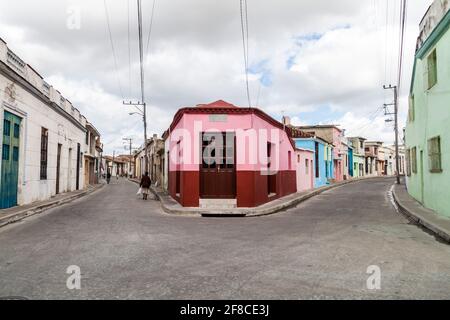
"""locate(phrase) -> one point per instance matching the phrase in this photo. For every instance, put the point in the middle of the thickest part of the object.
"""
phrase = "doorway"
(77, 183)
(218, 168)
(69, 171)
(9, 178)
(58, 167)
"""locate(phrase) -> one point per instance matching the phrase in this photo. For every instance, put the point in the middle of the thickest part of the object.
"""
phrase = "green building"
(427, 131)
(358, 145)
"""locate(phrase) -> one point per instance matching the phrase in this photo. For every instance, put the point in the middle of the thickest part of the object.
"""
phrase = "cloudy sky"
(318, 61)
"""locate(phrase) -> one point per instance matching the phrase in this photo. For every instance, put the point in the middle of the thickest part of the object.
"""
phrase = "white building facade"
(42, 136)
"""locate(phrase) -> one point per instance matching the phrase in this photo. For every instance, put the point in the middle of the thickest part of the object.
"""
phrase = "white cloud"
(196, 57)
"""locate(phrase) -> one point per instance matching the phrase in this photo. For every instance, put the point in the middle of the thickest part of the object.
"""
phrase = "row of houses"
(47, 146)
(219, 154)
(427, 134)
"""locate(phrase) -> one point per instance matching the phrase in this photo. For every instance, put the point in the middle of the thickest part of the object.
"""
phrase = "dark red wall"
(189, 190)
(251, 187)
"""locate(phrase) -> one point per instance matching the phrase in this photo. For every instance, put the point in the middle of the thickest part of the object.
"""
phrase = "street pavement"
(128, 248)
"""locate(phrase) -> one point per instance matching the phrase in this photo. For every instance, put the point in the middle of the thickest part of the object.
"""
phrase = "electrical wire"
(402, 39)
(386, 42)
(370, 119)
(113, 49)
(150, 27)
(129, 50)
(245, 36)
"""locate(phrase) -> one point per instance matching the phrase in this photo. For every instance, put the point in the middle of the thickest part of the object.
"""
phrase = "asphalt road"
(128, 249)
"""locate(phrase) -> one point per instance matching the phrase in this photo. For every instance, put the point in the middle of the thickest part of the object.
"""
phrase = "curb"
(251, 212)
(17, 216)
(419, 219)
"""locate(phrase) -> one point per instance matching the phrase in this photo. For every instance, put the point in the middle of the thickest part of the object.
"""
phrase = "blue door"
(10, 161)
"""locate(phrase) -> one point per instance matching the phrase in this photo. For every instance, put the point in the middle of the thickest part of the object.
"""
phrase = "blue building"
(323, 158)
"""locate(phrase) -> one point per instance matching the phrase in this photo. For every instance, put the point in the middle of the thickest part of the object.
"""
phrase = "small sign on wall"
(218, 118)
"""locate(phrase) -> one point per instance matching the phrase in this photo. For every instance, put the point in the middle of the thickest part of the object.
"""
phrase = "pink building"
(305, 169)
(219, 152)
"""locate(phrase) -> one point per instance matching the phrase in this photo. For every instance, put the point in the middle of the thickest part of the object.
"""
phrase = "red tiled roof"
(219, 104)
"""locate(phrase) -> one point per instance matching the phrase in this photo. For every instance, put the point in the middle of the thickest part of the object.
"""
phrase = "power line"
(112, 48)
(245, 36)
(150, 28)
(141, 58)
(386, 41)
(402, 38)
(129, 49)
(371, 117)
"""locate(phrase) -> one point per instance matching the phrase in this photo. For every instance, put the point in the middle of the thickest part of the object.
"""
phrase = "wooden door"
(69, 171)
(10, 161)
(58, 167)
(218, 168)
(77, 183)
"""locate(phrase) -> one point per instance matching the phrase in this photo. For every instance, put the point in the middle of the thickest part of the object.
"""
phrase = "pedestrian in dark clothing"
(108, 177)
(145, 184)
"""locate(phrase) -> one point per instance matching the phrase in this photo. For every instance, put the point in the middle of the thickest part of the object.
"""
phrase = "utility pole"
(395, 114)
(130, 140)
(142, 103)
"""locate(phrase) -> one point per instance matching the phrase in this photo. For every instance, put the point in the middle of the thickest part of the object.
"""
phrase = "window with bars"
(432, 69)
(44, 153)
(218, 153)
(434, 155)
(414, 159)
(307, 166)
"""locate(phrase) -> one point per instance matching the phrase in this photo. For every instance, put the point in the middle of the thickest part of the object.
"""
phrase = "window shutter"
(434, 154)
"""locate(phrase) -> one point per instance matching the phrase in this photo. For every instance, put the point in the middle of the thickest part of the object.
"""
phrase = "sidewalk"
(169, 205)
(428, 218)
(15, 214)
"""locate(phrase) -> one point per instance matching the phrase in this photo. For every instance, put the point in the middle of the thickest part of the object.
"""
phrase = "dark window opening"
(316, 155)
(5, 152)
(15, 154)
(44, 153)
(16, 130)
(6, 128)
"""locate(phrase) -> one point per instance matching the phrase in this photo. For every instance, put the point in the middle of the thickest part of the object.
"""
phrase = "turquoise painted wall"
(325, 153)
(357, 160)
(431, 118)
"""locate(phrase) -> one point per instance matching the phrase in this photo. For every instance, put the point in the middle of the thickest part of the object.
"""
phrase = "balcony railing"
(15, 62)
(46, 89)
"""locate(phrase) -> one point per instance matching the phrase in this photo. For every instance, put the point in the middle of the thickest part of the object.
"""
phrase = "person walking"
(145, 185)
(108, 177)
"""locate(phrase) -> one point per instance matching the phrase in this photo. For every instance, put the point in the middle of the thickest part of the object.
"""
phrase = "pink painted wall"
(305, 175)
(339, 151)
(190, 126)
